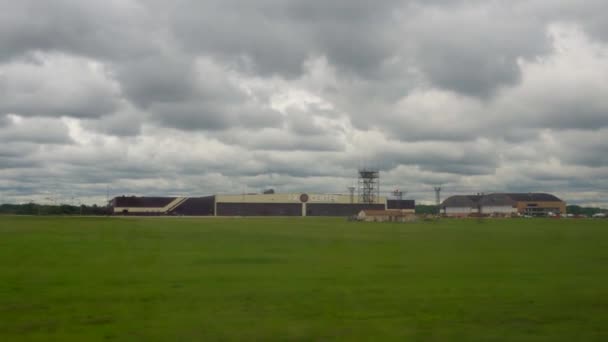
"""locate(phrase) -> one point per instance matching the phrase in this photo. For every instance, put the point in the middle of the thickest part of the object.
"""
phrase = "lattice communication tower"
(369, 186)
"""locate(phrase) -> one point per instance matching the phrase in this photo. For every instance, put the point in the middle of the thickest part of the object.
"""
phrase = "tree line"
(585, 211)
(44, 209)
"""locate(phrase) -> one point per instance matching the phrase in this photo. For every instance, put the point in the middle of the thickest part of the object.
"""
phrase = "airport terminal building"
(287, 204)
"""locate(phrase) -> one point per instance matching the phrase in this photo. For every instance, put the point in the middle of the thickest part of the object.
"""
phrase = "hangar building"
(503, 204)
(290, 204)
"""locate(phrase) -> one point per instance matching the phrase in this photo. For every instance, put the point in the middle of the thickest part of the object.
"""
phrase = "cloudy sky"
(193, 97)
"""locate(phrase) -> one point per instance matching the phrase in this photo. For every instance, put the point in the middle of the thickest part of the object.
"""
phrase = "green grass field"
(185, 279)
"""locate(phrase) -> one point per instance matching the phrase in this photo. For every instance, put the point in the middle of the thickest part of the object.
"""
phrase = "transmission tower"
(398, 194)
(351, 191)
(438, 198)
(369, 186)
(438, 195)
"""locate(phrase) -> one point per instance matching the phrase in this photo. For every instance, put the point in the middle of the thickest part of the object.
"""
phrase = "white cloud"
(57, 85)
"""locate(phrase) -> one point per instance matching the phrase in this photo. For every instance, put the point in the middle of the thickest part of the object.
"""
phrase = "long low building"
(155, 206)
(503, 204)
(291, 204)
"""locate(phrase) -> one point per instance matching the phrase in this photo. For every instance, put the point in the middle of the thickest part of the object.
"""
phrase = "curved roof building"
(504, 204)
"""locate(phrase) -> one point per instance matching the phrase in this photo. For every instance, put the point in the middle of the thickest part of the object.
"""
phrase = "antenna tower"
(398, 194)
(438, 195)
(351, 191)
(369, 186)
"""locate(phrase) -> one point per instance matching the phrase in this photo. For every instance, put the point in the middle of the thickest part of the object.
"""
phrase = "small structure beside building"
(386, 216)
(401, 204)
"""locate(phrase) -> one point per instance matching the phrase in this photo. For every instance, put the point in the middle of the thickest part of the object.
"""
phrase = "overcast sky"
(194, 97)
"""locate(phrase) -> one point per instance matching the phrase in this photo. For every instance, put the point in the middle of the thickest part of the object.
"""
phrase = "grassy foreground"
(180, 279)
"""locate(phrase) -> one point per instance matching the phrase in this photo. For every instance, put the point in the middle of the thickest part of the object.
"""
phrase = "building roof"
(496, 199)
(533, 197)
(461, 201)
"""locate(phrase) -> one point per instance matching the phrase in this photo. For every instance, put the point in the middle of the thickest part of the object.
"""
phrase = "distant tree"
(63, 209)
(426, 209)
(578, 210)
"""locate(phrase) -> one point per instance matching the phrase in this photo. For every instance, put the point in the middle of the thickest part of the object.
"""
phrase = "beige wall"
(406, 211)
(289, 198)
(521, 206)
